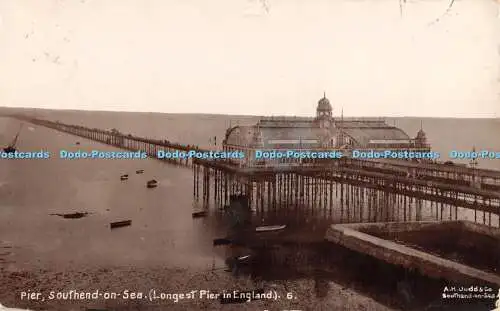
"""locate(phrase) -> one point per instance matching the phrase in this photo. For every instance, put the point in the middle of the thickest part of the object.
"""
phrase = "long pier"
(352, 190)
(124, 141)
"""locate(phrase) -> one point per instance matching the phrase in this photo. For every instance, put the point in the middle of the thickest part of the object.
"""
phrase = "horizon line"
(247, 115)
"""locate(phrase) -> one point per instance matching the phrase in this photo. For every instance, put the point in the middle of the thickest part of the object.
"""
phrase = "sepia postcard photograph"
(269, 155)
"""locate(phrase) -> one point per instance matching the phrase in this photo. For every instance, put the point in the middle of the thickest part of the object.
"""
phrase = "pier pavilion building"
(323, 132)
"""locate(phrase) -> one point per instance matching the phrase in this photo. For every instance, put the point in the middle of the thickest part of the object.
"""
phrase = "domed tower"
(421, 139)
(324, 121)
(324, 108)
(324, 113)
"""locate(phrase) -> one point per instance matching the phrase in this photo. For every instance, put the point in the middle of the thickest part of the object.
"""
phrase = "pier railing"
(481, 179)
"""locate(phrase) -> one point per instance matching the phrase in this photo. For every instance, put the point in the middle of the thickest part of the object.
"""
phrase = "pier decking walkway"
(449, 186)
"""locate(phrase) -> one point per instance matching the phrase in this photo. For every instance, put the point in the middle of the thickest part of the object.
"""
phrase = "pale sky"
(252, 57)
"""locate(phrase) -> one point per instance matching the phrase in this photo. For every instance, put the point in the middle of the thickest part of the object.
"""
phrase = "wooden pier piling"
(351, 195)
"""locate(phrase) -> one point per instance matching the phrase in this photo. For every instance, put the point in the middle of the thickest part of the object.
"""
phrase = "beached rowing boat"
(270, 228)
(118, 224)
(152, 183)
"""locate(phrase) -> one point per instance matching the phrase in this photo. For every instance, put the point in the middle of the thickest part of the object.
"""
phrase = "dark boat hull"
(222, 241)
(118, 224)
(199, 214)
(152, 184)
(9, 149)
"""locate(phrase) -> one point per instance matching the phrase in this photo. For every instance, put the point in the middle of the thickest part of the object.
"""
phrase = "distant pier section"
(149, 146)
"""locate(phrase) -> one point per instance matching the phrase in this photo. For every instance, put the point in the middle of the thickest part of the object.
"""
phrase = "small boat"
(9, 149)
(199, 214)
(139, 171)
(124, 177)
(152, 183)
(270, 228)
(77, 142)
(12, 147)
(242, 258)
(72, 215)
(118, 224)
